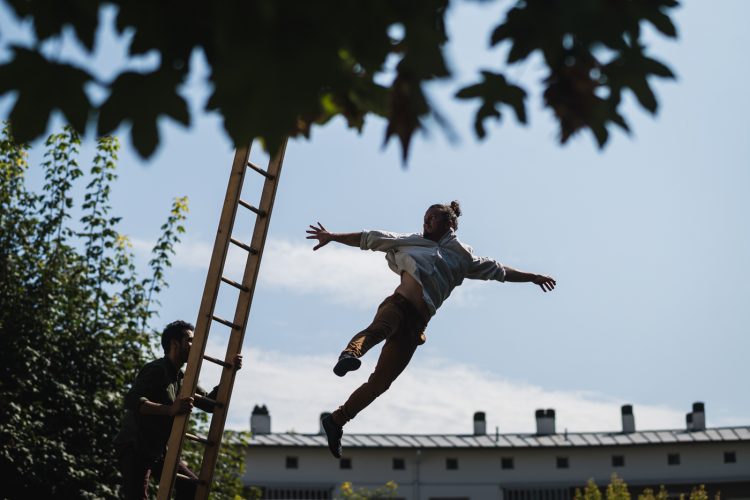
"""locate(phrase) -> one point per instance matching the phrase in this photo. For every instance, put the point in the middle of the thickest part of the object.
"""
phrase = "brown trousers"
(136, 470)
(402, 327)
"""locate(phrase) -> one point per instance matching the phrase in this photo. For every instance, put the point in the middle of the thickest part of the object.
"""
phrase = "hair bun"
(456, 207)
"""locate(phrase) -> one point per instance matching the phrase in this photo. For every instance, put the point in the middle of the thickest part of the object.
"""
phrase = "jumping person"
(431, 265)
(150, 407)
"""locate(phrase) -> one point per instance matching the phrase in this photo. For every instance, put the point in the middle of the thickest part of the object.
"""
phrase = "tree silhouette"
(278, 68)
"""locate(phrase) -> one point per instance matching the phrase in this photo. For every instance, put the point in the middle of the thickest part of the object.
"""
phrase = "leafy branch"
(303, 63)
(73, 321)
(164, 249)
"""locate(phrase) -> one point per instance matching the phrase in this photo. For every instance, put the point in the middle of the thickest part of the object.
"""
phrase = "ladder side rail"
(203, 322)
(242, 313)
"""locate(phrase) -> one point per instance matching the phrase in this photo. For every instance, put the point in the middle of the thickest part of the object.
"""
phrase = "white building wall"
(646, 462)
(480, 476)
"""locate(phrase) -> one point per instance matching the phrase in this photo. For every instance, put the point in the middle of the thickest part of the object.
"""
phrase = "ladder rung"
(209, 400)
(259, 170)
(243, 246)
(245, 204)
(235, 284)
(218, 361)
(225, 322)
(198, 439)
(188, 478)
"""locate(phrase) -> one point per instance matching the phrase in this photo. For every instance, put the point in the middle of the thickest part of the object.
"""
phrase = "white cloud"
(141, 247)
(433, 396)
(343, 275)
(337, 274)
(189, 254)
(195, 255)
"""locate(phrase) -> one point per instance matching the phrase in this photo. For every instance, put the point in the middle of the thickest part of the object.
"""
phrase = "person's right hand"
(321, 234)
(181, 406)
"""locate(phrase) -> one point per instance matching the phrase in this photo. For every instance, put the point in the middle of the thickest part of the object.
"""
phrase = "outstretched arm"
(324, 237)
(547, 283)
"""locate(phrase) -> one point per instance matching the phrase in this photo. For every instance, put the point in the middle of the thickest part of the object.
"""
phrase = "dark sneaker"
(334, 433)
(347, 363)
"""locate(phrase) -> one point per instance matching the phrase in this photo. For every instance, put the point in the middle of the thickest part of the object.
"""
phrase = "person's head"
(177, 338)
(439, 219)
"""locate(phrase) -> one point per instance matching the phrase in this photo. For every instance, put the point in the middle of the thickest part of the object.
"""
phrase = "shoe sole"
(346, 365)
(335, 446)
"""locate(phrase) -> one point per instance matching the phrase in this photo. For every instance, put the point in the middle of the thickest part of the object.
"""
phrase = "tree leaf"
(644, 94)
(157, 91)
(494, 91)
(663, 23)
(278, 69)
(51, 16)
(36, 100)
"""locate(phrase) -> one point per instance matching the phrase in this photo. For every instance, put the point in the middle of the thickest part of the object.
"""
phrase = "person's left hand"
(547, 283)
(237, 361)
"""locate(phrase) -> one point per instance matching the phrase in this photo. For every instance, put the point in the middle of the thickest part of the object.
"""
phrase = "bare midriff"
(411, 290)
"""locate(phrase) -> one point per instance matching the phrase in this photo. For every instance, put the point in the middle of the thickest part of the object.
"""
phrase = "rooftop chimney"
(322, 416)
(545, 422)
(260, 420)
(480, 424)
(539, 414)
(689, 422)
(628, 420)
(699, 416)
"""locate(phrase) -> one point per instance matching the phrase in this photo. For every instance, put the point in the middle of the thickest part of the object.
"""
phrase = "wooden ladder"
(206, 317)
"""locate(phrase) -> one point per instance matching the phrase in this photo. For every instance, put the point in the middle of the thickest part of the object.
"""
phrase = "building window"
(285, 493)
(345, 463)
(292, 463)
(562, 462)
(399, 464)
(673, 459)
(506, 463)
(618, 461)
(730, 457)
(451, 463)
(535, 493)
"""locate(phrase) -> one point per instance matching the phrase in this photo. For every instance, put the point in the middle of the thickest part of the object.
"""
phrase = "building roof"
(569, 439)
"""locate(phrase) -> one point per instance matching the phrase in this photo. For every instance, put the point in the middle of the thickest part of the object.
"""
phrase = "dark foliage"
(278, 68)
(73, 322)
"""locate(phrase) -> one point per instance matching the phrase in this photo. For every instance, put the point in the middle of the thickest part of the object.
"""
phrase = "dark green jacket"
(159, 382)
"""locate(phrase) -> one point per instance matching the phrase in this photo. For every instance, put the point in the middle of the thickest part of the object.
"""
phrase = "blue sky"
(647, 240)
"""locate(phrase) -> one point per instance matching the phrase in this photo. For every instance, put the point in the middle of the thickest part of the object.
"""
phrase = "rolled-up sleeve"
(145, 388)
(484, 268)
(383, 241)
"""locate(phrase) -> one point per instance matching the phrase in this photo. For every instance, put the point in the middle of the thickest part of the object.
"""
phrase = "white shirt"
(438, 267)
